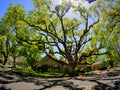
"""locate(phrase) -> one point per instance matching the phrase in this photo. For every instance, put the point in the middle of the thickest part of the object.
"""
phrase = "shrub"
(30, 72)
(83, 70)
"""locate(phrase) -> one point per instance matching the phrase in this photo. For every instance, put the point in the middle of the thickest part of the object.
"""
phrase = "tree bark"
(5, 59)
(72, 67)
(14, 62)
(6, 53)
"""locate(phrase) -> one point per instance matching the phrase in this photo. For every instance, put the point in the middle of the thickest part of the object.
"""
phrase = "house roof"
(49, 61)
(96, 63)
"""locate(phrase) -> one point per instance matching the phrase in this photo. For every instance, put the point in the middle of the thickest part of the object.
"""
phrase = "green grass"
(30, 72)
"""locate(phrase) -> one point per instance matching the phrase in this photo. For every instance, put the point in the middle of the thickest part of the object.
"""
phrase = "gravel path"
(105, 81)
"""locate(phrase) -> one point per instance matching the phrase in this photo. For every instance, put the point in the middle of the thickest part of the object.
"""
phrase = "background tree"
(110, 27)
(14, 51)
(4, 42)
(7, 30)
(113, 27)
(32, 54)
(19, 33)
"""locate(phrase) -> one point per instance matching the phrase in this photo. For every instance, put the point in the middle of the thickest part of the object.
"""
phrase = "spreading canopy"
(64, 39)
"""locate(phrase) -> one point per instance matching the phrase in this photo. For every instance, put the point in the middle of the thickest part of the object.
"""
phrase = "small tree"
(5, 48)
(14, 51)
(32, 55)
(7, 26)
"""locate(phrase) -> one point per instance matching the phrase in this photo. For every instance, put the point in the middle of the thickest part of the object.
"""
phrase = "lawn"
(30, 72)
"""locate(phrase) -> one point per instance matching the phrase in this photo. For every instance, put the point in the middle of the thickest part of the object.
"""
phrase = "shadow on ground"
(110, 77)
(6, 78)
(4, 88)
(102, 86)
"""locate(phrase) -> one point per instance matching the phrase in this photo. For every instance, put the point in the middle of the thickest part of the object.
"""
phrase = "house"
(96, 65)
(48, 65)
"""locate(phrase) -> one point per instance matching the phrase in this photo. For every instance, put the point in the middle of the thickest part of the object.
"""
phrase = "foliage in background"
(71, 41)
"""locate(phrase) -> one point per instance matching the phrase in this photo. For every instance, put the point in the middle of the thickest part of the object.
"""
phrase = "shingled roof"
(49, 61)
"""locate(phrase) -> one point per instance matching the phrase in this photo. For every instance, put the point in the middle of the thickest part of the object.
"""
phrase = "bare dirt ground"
(103, 81)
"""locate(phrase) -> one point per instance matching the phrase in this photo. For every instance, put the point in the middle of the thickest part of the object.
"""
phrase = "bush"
(76, 69)
(83, 70)
(30, 72)
(23, 71)
(21, 62)
(89, 73)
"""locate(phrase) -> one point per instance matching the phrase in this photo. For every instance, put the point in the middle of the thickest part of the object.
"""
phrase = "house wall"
(96, 66)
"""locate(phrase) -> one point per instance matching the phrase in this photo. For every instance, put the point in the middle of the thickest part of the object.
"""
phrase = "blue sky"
(26, 3)
(5, 4)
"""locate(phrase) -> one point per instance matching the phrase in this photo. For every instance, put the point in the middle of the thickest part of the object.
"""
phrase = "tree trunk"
(6, 53)
(14, 62)
(72, 67)
(1, 61)
(5, 59)
(72, 71)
